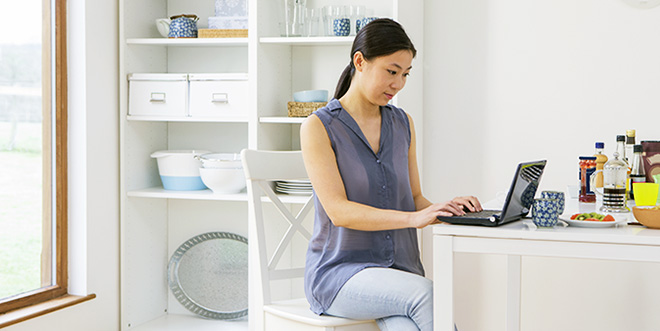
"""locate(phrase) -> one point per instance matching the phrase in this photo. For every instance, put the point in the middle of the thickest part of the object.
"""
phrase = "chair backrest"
(261, 169)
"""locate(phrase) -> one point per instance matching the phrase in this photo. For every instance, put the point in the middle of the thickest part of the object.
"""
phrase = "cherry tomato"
(574, 216)
(592, 219)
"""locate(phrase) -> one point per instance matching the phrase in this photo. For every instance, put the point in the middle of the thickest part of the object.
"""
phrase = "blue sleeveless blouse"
(379, 180)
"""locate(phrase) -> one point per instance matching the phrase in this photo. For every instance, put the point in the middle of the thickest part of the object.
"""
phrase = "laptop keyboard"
(483, 214)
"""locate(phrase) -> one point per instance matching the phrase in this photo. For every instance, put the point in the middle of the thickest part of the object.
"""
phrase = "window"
(33, 183)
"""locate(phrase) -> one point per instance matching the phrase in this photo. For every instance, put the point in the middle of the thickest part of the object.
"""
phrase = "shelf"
(227, 119)
(173, 322)
(282, 119)
(188, 41)
(161, 193)
(307, 41)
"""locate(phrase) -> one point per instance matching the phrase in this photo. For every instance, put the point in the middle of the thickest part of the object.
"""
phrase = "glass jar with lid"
(615, 179)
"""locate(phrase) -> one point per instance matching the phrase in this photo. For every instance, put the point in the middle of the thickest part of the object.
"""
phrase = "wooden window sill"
(39, 309)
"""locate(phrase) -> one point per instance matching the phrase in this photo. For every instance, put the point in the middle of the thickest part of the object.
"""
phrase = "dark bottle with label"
(637, 172)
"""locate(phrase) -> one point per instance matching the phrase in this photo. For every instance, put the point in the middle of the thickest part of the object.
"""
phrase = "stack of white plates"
(296, 187)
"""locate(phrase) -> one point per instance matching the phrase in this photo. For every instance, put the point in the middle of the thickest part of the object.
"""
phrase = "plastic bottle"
(587, 167)
(600, 163)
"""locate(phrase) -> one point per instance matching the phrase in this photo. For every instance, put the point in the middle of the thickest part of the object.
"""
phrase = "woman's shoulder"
(328, 112)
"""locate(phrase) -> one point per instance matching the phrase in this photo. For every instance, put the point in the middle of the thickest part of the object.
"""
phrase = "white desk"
(623, 243)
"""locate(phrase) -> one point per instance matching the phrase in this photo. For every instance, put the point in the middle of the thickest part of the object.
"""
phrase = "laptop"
(518, 201)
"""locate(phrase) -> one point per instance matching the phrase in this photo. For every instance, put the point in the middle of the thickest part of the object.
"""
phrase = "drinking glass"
(328, 19)
(341, 23)
(359, 14)
(312, 22)
(292, 17)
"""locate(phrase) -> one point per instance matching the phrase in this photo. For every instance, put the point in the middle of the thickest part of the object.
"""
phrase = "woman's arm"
(321, 165)
(469, 202)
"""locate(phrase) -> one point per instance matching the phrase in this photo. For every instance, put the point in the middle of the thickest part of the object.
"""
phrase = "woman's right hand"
(429, 214)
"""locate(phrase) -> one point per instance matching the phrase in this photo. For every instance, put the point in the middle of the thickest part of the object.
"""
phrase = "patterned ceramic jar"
(342, 26)
(183, 26)
(559, 196)
(545, 212)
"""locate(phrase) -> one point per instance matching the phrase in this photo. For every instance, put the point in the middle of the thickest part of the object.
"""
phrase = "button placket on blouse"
(382, 170)
(389, 247)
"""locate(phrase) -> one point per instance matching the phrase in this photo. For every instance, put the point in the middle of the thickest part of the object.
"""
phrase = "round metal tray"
(208, 275)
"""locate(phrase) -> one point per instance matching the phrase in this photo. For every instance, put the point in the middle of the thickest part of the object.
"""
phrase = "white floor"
(186, 322)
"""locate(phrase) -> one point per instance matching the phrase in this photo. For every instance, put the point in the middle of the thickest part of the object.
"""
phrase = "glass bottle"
(630, 142)
(621, 150)
(621, 147)
(637, 172)
(601, 158)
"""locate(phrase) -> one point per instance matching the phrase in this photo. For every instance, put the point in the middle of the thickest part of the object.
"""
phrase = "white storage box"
(231, 8)
(218, 95)
(164, 95)
(228, 22)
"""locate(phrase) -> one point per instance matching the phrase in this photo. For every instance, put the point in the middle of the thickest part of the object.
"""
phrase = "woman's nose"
(398, 83)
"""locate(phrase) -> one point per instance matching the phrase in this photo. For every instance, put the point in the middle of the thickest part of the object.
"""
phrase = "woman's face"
(383, 77)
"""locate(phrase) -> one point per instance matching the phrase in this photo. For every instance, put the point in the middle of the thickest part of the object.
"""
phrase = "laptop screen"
(523, 188)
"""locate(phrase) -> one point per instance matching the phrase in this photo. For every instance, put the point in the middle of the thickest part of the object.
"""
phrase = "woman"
(363, 260)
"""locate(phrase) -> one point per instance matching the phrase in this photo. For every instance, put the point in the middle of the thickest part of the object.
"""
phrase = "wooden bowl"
(648, 216)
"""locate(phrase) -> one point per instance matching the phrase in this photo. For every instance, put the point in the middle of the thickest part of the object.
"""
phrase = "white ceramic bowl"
(179, 170)
(224, 181)
(220, 160)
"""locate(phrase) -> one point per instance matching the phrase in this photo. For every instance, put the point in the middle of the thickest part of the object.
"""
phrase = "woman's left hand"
(469, 203)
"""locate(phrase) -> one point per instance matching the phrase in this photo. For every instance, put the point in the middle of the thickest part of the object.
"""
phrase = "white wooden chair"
(261, 168)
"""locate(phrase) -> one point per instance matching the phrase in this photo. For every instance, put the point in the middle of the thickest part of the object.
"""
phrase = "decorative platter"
(591, 224)
(208, 275)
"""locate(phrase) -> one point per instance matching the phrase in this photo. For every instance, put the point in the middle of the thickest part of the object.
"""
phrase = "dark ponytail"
(381, 37)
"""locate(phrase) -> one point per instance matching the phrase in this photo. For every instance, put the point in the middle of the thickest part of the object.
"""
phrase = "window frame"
(59, 289)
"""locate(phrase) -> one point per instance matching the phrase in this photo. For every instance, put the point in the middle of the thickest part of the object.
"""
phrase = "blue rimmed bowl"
(311, 96)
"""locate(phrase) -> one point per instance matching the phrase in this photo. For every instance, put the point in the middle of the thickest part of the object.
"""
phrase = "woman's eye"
(392, 72)
(406, 74)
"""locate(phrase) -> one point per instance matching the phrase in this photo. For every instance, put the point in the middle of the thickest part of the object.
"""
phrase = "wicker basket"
(222, 33)
(303, 109)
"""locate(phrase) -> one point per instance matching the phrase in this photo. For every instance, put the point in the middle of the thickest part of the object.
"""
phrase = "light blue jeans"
(397, 300)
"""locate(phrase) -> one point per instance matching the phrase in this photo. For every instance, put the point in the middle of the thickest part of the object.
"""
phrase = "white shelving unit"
(154, 221)
(161, 193)
(282, 120)
(203, 42)
(308, 41)
(188, 119)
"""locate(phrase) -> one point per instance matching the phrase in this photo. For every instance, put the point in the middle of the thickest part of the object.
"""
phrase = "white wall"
(93, 171)
(514, 80)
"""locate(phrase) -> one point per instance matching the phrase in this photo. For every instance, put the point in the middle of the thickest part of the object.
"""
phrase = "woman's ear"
(358, 61)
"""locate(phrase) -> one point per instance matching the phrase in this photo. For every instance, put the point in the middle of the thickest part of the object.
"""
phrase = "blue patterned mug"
(341, 26)
(545, 212)
(561, 200)
(183, 26)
